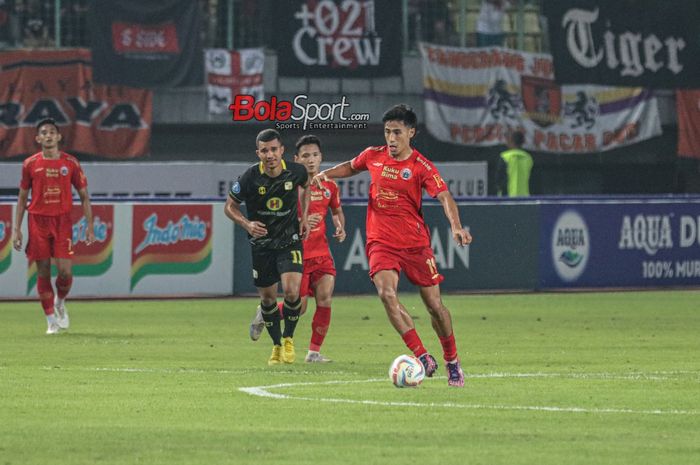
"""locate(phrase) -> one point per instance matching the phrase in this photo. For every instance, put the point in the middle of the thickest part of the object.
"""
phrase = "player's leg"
(387, 283)
(64, 281)
(40, 248)
(323, 292)
(290, 266)
(442, 324)
(46, 295)
(266, 279)
(291, 311)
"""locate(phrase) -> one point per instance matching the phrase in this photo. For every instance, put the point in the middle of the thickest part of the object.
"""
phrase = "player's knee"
(435, 306)
(387, 294)
(291, 296)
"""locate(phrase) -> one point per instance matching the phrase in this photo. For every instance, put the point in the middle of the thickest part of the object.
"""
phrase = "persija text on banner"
(476, 96)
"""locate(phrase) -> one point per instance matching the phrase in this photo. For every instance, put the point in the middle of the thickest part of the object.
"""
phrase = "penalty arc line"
(264, 391)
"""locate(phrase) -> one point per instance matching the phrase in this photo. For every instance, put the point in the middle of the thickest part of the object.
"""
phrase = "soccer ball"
(406, 371)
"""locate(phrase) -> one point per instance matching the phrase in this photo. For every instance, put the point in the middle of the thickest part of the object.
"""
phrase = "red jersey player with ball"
(49, 175)
(398, 239)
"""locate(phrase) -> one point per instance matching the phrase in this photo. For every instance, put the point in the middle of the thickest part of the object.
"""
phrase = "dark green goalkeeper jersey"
(272, 201)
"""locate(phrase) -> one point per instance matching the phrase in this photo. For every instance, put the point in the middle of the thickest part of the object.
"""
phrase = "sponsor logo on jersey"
(236, 189)
(274, 204)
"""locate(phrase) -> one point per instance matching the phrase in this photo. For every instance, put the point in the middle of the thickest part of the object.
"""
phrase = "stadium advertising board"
(146, 44)
(109, 121)
(200, 180)
(624, 244)
(5, 237)
(502, 256)
(334, 38)
(476, 96)
(170, 240)
(641, 43)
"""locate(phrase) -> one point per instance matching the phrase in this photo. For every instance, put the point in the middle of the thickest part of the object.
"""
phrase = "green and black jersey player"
(271, 191)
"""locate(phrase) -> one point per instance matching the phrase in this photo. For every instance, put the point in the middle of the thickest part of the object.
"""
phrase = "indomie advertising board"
(170, 240)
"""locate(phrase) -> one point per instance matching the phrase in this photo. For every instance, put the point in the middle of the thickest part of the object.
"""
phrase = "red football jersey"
(394, 215)
(316, 245)
(50, 181)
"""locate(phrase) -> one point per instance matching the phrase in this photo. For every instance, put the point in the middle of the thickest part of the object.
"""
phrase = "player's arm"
(87, 212)
(232, 209)
(305, 199)
(459, 234)
(342, 170)
(19, 217)
(339, 222)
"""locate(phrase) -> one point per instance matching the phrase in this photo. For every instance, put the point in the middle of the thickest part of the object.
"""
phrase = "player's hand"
(314, 220)
(90, 237)
(339, 233)
(17, 240)
(462, 236)
(256, 229)
(319, 178)
(304, 228)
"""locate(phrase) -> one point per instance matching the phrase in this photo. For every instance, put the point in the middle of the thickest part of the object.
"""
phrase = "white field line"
(192, 370)
(651, 376)
(264, 391)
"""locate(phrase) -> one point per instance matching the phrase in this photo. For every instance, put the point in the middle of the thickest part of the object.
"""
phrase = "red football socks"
(63, 286)
(45, 290)
(319, 327)
(449, 347)
(413, 342)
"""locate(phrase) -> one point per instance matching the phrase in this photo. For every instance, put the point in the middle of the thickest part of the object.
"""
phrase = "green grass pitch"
(560, 378)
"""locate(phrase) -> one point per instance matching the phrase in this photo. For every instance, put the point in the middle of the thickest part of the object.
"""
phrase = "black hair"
(267, 135)
(403, 113)
(44, 121)
(518, 138)
(308, 139)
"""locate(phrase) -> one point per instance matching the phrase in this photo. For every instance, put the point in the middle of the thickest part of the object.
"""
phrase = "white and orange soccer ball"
(406, 371)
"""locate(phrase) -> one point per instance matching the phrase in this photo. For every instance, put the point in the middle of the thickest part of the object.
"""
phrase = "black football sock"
(271, 317)
(291, 311)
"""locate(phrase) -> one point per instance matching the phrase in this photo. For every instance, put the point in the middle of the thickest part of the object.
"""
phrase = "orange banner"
(103, 120)
(688, 108)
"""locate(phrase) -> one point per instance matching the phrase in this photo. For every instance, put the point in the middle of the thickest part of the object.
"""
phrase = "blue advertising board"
(621, 243)
(502, 256)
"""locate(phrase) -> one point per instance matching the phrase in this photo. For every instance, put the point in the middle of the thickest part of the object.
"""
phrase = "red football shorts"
(49, 236)
(418, 263)
(314, 269)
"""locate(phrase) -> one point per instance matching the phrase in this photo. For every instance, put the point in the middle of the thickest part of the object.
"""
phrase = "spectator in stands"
(514, 168)
(74, 23)
(489, 25)
(35, 26)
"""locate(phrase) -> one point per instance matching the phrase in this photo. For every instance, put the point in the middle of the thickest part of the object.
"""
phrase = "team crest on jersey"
(288, 186)
(236, 189)
(274, 204)
(64, 171)
(327, 193)
(262, 190)
(406, 174)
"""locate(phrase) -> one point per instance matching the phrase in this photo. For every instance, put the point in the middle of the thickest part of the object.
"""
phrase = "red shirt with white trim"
(50, 182)
(316, 245)
(394, 215)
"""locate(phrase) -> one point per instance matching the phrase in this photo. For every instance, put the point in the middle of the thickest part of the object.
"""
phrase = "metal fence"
(232, 24)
